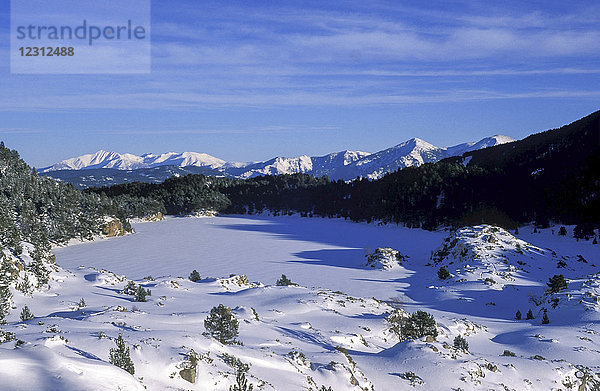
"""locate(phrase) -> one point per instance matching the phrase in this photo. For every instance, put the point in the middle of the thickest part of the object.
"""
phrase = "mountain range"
(106, 168)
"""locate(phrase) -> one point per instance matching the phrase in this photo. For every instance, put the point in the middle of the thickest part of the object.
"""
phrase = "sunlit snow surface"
(312, 252)
(333, 306)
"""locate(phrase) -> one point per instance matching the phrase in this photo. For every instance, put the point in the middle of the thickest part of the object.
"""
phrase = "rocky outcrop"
(154, 217)
(384, 258)
(114, 227)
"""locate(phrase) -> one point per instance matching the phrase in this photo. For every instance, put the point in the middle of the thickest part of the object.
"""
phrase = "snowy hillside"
(334, 329)
(410, 153)
(345, 165)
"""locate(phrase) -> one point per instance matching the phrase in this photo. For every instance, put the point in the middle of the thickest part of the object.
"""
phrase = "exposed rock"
(114, 227)
(154, 217)
(188, 374)
(189, 367)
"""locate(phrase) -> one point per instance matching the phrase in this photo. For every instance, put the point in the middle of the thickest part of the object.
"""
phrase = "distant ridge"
(345, 165)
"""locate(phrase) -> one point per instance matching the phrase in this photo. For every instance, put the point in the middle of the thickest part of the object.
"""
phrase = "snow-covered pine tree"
(26, 314)
(40, 254)
(130, 288)
(120, 357)
(5, 301)
(8, 271)
(10, 236)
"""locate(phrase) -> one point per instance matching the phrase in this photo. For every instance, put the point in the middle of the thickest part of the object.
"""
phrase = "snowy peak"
(346, 165)
(127, 161)
(487, 142)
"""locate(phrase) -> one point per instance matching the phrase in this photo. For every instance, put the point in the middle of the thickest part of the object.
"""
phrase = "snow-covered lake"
(316, 252)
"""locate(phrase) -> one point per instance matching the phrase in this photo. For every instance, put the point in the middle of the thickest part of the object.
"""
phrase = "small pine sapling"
(140, 294)
(241, 383)
(119, 356)
(529, 315)
(194, 276)
(26, 314)
(545, 319)
(284, 281)
(461, 343)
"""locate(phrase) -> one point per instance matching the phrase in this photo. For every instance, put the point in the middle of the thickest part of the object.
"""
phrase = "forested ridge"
(553, 175)
(36, 212)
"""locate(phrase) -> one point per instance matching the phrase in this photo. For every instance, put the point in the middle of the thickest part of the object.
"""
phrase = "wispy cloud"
(19, 131)
(221, 55)
(202, 131)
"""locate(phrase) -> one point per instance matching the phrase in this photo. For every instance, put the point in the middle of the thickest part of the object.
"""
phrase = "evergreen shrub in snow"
(119, 356)
(222, 325)
(461, 343)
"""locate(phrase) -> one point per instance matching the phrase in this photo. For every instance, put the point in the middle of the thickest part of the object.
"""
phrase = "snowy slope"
(340, 165)
(487, 142)
(413, 152)
(330, 329)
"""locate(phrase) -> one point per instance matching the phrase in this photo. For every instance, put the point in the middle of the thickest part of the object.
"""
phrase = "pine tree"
(529, 315)
(518, 315)
(8, 271)
(557, 283)
(25, 285)
(443, 273)
(284, 281)
(195, 276)
(241, 383)
(417, 325)
(545, 319)
(10, 236)
(562, 231)
(222, 324)
(5, 301)
(130, 289)
(140, 294)
(26, 314)
(40, 253)
(119, 356)
(461, 343)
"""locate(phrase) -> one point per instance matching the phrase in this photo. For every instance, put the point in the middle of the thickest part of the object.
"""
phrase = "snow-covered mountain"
(344, 165)
(127, 161)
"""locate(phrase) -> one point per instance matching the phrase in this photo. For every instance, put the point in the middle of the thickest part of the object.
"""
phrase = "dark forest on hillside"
(553, 175)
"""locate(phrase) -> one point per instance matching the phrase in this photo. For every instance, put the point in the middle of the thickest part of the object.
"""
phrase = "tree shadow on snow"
(346, 258)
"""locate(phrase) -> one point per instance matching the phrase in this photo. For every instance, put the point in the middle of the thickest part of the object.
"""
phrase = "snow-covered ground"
(330, 329)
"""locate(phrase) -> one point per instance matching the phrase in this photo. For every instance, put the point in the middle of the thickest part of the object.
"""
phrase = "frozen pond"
(313, 252)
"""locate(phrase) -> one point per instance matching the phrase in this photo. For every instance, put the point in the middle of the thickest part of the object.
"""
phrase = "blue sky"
(249, 80)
